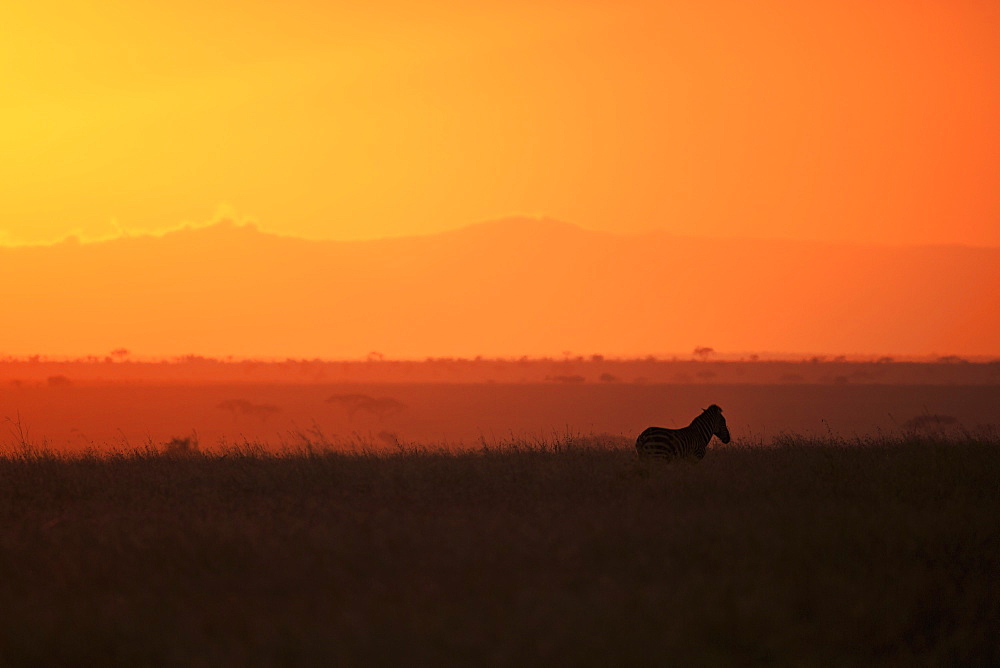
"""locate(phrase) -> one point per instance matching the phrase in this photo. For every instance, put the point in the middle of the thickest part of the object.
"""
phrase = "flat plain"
(571, 551)
(78, 418)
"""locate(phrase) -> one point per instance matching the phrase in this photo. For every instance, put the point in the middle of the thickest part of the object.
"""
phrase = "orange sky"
(837, 120)
(795, 122)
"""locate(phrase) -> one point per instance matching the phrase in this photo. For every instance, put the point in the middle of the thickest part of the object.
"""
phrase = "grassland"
(819, 552)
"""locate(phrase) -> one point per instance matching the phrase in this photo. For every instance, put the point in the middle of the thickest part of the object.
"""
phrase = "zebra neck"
(704, 427)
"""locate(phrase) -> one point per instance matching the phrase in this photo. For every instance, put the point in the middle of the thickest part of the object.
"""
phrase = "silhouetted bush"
(243, 407)
(181, 446)
(379, 407)
(929, 422)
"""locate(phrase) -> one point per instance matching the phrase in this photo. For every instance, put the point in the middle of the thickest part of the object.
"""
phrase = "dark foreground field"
(825, 553)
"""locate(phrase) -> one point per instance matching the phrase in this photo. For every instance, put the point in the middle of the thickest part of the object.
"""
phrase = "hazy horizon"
(502, 288)
(138, 357)
(232, 220)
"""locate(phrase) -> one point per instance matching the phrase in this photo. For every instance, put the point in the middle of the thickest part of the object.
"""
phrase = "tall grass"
(568, 551)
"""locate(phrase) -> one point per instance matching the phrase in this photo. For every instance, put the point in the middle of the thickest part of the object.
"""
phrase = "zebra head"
(718, 422)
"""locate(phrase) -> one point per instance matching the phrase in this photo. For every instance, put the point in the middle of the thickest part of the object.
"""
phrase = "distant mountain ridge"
(228, 228)
(507, 287)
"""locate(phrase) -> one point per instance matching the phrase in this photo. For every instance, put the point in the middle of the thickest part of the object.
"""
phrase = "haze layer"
(506, 288)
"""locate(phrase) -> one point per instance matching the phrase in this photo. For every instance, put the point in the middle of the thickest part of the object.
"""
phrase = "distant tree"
(704, 352)
(608, 378)
(243, 407)
(952, 359)
(375, 356)
(929, 422)
(59, 381)
(195, 359)
(596, 358)
(378, 407)
(120, 353)
(884, 360)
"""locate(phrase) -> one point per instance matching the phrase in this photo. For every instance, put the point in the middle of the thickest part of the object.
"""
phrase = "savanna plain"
(568, 550)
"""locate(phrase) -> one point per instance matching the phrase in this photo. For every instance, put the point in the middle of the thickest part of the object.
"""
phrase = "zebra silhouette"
(689, 442)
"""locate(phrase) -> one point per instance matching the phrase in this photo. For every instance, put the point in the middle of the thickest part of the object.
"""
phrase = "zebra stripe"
(689, 442)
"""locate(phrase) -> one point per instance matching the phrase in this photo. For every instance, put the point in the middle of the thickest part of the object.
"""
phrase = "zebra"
(687, 442)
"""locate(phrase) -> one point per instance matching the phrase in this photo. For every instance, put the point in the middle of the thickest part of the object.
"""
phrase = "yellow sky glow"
(859, 121)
